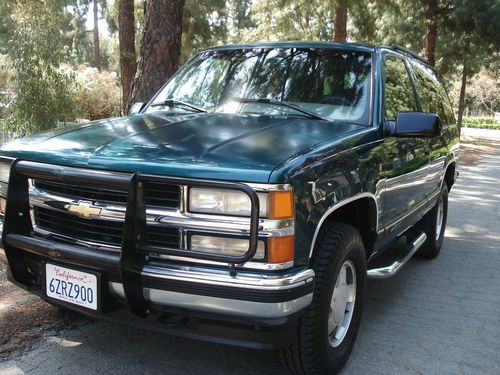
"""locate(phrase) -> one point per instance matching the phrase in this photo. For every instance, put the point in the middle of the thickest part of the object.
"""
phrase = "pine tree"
(160, 48)
(126, 31)
(471, 41)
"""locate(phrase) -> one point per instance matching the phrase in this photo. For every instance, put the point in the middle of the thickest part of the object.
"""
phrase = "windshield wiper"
(173, 103)
(283, 104)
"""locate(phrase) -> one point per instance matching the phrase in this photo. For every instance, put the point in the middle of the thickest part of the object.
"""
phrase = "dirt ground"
(472, 151)
(25, 318)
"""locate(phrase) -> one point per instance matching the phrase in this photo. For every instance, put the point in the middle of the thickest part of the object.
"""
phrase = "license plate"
(76, 287)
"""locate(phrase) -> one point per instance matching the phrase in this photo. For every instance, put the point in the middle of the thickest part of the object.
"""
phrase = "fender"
(340, 204)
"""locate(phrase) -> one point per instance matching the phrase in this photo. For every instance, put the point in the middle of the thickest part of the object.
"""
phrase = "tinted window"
(433, 97)
(399, 94)
(330, 82)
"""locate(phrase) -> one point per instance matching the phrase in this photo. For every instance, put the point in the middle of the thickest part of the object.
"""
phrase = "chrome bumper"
(248, 294)
(244, 295)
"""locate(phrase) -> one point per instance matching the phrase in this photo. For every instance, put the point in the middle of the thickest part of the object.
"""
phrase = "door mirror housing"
(136, 108)
(417, 125)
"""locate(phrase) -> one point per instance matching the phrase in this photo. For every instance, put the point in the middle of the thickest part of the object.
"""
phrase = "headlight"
(4, 172)
(225, 246)
(224, 202)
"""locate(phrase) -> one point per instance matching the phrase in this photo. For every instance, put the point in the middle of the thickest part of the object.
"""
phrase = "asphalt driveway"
(434, 317)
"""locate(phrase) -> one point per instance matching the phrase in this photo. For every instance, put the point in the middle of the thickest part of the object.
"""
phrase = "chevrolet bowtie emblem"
(84, 209)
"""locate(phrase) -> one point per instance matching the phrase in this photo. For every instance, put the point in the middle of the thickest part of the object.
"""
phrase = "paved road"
(435, 317)
(492, 134)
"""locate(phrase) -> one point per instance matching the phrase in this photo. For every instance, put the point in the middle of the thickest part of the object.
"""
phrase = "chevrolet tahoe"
(246, 203)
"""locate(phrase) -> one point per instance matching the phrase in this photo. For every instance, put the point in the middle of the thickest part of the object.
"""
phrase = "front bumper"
(257, 295)
(134, 280)
(255, 310)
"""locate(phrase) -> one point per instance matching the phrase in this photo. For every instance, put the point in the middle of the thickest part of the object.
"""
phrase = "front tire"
(433, 225)
(329, 326)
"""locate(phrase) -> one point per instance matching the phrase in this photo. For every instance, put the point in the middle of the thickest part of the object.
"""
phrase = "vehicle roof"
(361, 47)
(299, 44)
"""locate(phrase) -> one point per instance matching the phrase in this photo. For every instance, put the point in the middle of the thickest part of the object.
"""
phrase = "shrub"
(483, 126)
(479, 120)
(96, 94)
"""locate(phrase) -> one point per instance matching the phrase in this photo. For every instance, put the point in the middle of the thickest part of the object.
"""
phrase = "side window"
(399, 94)
(432, 94)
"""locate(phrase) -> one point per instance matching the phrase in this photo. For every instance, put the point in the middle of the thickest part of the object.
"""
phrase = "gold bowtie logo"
(84, 209)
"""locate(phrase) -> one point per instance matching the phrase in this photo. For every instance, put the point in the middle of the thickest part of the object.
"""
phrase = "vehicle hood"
(216, 146)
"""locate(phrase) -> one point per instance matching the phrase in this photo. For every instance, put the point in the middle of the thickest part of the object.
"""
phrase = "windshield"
(329, 83)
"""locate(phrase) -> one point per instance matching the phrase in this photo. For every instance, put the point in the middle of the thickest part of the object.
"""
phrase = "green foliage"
(241, 14)
(204, 25)
(6, 24)
(481, 122)
(293, 20)
(398, 89)
(78, 39)
(481, 126)
(7, 90)
(43, 91)
(78, 43)
(470, 34)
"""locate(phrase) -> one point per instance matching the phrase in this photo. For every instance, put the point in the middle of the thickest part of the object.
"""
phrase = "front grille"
(100, 231)
(95, 230)
(162, 195)
(157, 194)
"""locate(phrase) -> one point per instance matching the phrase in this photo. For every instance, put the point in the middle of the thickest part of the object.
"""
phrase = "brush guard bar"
(18, 236)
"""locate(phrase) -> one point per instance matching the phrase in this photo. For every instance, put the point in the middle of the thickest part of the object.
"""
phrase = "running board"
(393, 268)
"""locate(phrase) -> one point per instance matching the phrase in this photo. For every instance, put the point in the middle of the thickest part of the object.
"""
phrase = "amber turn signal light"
(280, 205)
(280, 249)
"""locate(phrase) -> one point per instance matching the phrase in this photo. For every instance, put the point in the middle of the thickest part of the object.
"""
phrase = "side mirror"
(417, 125)
(136, 108)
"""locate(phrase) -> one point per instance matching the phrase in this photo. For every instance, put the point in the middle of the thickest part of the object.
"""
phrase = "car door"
(433, 99)
(405, 159)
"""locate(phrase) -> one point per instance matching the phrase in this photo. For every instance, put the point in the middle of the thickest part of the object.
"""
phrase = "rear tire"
(329, 326)
(433, 225)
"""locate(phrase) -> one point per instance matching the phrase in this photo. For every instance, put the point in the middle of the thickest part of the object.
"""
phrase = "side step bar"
(393, 268)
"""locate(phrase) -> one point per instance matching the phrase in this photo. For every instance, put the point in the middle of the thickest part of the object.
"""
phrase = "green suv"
(246, 203)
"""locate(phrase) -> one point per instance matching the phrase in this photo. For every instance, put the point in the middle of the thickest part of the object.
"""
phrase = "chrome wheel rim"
(440, 218)
(342, 304)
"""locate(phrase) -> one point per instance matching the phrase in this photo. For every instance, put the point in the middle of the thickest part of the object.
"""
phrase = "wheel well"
(449, 176)
(361, 214)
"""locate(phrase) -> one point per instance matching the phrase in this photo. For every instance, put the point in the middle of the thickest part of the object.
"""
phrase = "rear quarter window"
(430, 90)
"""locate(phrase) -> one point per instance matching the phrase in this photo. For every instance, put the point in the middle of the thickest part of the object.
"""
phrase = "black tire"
(311, 351)
(432, 246)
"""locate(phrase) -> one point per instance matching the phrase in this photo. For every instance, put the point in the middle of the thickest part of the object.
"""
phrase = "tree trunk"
(340, 24)
(160, 48)
(431, 31)
(461, 100)
(431, 35)
(126, 34)
(97, 51)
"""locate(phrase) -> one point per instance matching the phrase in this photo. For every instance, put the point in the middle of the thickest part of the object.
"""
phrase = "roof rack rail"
(397, 47)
